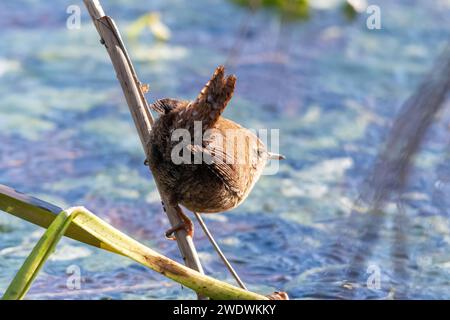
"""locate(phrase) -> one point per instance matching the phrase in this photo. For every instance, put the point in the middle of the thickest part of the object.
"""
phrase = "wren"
(219, 170)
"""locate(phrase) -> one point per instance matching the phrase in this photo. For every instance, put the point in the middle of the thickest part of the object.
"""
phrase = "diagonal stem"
(139, 110)
(116, 241)
(21, 283)
(219, 251)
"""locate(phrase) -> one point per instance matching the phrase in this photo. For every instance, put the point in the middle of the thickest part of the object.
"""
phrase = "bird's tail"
(213, 98)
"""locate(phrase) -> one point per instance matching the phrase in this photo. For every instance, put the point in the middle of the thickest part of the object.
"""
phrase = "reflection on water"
(332, 86)
(392, 168)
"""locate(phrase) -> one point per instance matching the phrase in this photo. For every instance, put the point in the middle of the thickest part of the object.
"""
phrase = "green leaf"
(40, 213)
(89, 228)
(34, 262)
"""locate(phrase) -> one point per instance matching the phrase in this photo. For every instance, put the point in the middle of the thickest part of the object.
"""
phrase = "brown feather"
(219, 182)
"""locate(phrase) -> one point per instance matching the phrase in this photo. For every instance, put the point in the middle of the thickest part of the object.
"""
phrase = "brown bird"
(216, 168)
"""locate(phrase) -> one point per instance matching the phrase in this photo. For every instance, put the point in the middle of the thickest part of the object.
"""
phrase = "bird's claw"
(186, 225)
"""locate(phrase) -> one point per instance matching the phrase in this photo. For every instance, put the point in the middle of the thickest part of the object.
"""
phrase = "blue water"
(332, 87)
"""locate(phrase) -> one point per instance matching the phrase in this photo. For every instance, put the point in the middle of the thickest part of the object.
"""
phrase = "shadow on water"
(388, 179)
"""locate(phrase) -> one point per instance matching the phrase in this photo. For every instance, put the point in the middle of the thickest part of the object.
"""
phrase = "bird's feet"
(189, 227)
(186, 224)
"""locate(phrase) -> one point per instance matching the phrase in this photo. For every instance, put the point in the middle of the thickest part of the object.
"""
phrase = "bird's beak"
(275, 156)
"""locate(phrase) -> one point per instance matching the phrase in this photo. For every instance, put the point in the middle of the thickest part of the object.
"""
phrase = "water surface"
(333, 88)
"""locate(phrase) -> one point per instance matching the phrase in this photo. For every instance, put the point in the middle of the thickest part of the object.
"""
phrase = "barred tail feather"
(213, 98)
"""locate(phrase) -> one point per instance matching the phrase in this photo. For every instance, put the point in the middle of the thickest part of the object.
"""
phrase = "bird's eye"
(260, 153)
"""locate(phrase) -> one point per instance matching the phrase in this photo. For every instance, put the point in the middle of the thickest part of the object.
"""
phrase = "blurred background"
(313, 70)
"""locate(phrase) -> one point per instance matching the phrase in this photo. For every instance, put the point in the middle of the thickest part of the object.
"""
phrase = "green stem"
(123, 244)
(34, 262)
(88, 228)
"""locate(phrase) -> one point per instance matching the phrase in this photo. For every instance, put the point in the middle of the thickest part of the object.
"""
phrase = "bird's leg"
(186, 224)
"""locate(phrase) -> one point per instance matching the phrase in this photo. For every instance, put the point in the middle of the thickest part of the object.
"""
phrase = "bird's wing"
(164, 106)
(219, 163)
